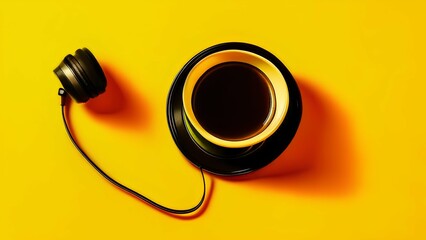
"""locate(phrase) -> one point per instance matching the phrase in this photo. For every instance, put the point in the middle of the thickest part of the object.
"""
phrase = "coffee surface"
(232, 100)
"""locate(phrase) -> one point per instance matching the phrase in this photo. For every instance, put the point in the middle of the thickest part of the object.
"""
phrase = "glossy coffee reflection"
(233, 100)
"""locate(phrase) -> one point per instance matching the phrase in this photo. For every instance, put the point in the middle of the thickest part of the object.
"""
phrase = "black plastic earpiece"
(81, 75)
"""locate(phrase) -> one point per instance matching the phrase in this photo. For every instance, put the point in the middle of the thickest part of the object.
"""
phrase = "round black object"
(81, 75)
(92, 69)
(261, 154)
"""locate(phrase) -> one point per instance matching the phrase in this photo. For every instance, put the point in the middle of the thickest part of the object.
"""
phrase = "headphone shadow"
(321, 159)
(120, 105)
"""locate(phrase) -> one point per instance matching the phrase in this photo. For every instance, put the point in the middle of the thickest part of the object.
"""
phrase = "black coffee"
(232, 100)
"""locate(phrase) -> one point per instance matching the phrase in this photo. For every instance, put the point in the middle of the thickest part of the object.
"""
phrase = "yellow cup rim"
(279, 94)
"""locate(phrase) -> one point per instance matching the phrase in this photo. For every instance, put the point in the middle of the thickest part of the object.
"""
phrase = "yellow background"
(356, 169)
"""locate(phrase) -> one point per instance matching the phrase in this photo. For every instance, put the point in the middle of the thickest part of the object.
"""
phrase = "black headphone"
(81, 75)
(82, 78)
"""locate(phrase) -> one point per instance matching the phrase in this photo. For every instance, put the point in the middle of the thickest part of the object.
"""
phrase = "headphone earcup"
(81, 75)
(92, 69)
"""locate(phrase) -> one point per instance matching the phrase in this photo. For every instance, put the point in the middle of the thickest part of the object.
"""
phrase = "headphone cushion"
(91, 68)
(81, 77)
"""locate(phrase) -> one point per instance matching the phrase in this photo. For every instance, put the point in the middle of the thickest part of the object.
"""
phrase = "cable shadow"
(120, 105)
(189, 216)
(201, 210)
(321, 159)
(196, 214)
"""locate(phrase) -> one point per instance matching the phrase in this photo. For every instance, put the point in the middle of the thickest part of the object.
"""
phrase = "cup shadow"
(321, 159)
(120, 105)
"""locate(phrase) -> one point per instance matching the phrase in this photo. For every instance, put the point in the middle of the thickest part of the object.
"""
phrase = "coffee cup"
(233, 108)
(233, 100)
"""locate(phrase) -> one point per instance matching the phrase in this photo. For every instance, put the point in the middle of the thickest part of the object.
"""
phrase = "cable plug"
(64, 96)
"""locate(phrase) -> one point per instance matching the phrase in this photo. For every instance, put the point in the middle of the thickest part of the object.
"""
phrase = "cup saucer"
(257, 156)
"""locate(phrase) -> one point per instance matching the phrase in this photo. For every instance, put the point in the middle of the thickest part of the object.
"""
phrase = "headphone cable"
(64, 95)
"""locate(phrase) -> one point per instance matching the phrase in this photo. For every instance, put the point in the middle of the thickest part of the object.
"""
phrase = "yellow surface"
(356, 169)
